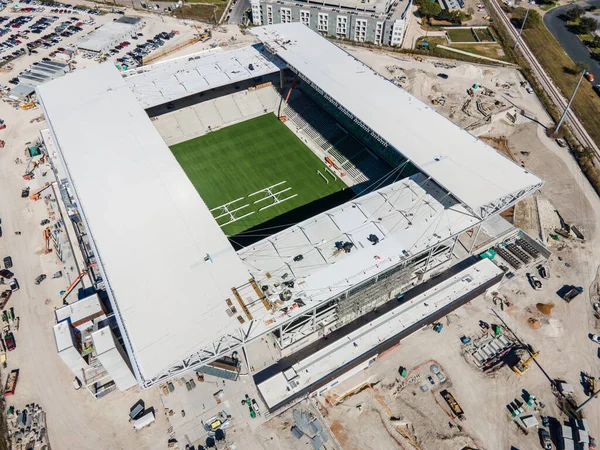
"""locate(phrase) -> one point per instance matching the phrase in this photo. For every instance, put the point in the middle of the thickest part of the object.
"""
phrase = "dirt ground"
(75, 419)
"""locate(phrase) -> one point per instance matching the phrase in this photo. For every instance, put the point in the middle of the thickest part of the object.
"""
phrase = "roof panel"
(150, 227)
(470, 169)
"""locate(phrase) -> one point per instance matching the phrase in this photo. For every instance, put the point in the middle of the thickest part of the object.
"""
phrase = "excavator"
(523, 365)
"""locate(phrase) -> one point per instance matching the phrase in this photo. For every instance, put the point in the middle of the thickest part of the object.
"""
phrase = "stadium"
(282, 189)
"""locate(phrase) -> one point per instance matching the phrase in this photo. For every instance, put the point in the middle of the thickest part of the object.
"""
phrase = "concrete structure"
(381, 22)
(85, 342)
(354, 346)
(149, 223)
(111, 34)
(192, 74)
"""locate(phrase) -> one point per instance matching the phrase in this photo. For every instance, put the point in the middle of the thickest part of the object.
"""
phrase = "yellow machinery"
(523, 366)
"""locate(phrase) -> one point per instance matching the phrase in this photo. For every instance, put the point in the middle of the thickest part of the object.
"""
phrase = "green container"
(403, 372)
(497, 330)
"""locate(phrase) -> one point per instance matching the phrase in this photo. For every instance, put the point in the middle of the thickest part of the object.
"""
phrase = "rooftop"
(177, 78)
(146, 220)
(408, 217)
(302, 374)
(105, 35)
(473, 171)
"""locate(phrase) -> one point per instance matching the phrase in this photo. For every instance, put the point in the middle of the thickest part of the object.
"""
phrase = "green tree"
(533, 18)
(587, 25)
(574, 13)
(430, 9)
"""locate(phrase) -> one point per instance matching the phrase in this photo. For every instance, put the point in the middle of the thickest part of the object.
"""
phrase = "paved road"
(236, 16)
(569, 41)
(546, 83)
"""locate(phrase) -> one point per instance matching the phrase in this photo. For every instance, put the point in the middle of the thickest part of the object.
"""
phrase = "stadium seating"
(358, 163)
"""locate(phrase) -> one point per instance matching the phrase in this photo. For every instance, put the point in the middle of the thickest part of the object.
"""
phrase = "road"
(568, 40)
(236, 16)
(546, 83)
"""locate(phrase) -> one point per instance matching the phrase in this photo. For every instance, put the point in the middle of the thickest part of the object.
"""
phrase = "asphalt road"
(569, 41)
(237, 14)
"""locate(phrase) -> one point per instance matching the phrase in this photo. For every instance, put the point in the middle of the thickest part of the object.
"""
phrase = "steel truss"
(222, 346)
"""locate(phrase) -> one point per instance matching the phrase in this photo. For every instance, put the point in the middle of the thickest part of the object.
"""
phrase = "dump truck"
(453, 404)
(11, 382)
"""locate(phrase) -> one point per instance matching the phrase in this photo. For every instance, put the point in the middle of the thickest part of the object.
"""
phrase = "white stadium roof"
(167, 265)
(177, 78)
(473, 171)
(151, 229)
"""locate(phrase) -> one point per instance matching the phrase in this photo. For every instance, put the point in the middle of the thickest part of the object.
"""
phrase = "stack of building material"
(27, 428)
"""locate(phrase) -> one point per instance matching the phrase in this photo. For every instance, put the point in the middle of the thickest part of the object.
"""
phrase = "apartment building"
(381, 22)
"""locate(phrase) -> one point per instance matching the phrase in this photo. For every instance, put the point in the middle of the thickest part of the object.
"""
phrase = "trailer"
(568, 293)
(453, 404)
(144, 421)
(11, 382)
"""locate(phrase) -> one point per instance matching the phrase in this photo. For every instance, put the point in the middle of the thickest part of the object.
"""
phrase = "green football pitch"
(240, 160)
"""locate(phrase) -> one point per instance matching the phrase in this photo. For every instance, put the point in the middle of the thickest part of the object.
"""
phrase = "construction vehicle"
(453, 404)
(25, 192)
(37, 195)
(248, 401)
(523, 365)
(11, 383)
(46, 235)
(281, 104)
(72, 286)
(29, 105)
(589, 383)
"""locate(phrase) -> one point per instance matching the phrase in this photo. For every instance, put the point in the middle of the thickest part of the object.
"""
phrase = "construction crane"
(523, 366)
(38, 194)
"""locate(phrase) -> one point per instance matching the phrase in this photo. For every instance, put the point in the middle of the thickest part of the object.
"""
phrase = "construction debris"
(545, 308)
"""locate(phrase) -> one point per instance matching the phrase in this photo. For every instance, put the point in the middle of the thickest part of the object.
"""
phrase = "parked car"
(40, 278)
(5, 273)
(9, 340)
(8, 262)
(14, 284)
(443, 76)
(595, 338)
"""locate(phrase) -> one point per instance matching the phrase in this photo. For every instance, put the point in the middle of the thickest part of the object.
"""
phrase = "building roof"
(473, 171)
(168, 264)
(105, 35)
(408, 217)
(308, 371)
(177, 78)
(81, 309)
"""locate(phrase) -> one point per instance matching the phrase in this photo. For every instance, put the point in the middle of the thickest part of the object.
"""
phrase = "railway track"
(553, 92)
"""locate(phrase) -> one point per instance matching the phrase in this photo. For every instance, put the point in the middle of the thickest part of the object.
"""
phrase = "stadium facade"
(382, 22)
(183, 296)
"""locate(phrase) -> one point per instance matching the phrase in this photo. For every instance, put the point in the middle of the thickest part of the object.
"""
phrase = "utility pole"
(564, 114)
(522, 26)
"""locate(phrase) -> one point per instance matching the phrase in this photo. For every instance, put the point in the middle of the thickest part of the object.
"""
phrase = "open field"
(461, 35)
(554, 59)
(242, 159)
(204, 12)
(489, 50)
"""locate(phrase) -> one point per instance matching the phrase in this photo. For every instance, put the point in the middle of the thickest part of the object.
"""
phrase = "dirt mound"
(533, 323)
(545, 308)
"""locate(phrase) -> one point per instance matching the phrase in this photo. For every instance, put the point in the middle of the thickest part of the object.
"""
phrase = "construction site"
(338, 275)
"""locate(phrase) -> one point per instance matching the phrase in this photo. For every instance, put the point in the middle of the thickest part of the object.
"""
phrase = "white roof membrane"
(465, 166)
(151, 229)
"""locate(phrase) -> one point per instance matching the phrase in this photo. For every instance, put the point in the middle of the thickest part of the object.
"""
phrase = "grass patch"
(489, 50)
(483, 34)
(461, 35)
(201, 12)
(562, 70)
(241, 159)
(208, 2)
